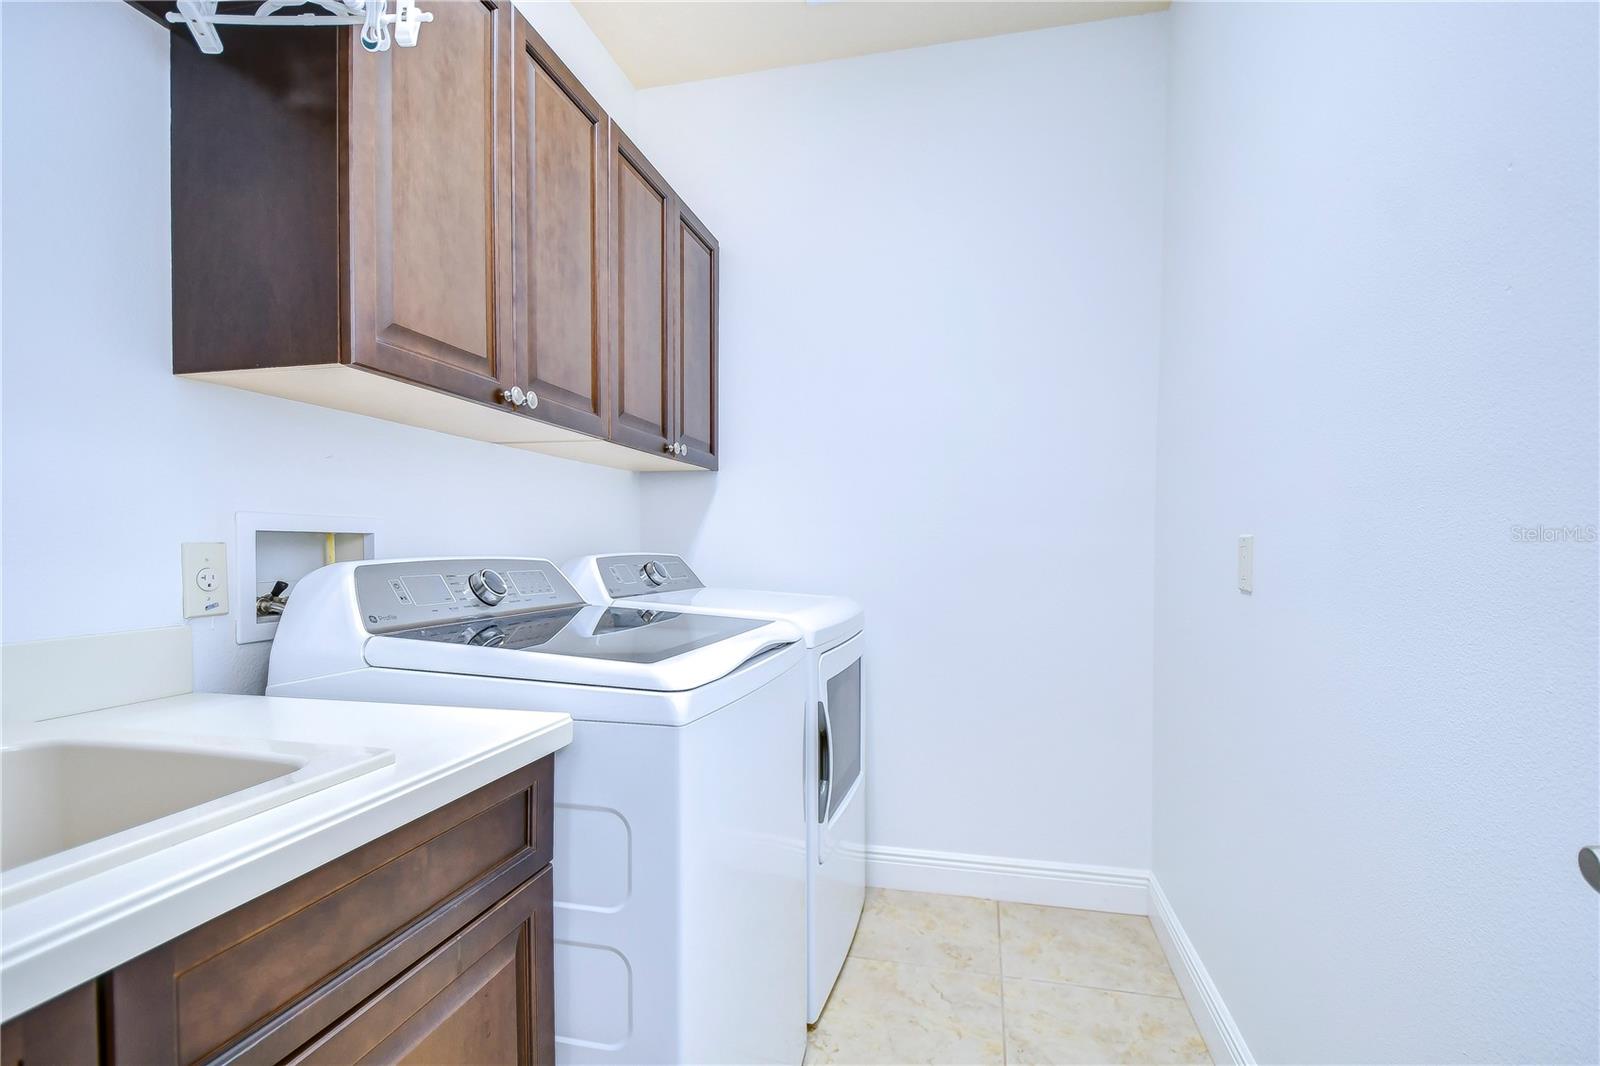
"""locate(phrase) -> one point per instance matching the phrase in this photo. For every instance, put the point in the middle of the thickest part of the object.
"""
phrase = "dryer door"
(841, 743)
(837, 886)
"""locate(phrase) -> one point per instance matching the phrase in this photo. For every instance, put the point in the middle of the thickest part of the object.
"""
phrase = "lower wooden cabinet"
(430, 944)
(63, 1032)
(474, 999)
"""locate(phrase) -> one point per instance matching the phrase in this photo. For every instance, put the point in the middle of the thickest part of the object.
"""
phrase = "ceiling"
(663, 42)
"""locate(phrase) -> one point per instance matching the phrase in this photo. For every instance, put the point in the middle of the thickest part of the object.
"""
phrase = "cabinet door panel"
(64, 1031)
(482, 997)
(430, 204)
(255, 984)
(226, 993)
(641, 205)
(561, 179)
(442, 185)
(697, 339)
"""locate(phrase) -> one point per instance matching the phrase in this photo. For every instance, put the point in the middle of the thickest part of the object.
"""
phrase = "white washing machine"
(680, 834)
(835, 745)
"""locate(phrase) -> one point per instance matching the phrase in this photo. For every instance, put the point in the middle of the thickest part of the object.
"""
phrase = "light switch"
(1247, 562)
(205, 579)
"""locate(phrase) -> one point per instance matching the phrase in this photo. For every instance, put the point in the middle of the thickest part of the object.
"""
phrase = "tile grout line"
(912, 963)
(1000, 962)
(1098, 988)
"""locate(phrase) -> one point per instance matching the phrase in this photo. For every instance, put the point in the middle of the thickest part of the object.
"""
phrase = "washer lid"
(825, 620)
(618, 647)
(628, 579)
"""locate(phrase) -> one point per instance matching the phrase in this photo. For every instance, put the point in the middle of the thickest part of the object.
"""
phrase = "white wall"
(1372, 775)
(565, 31)
(944, 299)
(110, 462)
(939, 327)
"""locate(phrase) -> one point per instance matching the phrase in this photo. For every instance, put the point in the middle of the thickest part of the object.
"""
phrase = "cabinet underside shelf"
(348, 388)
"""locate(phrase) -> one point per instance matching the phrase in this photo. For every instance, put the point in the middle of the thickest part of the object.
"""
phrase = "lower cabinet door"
(481, 997)
(62, 1032)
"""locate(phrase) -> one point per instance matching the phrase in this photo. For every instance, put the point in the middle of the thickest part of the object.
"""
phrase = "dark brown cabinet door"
(482, 997)
(461, 216)
(696, 251)
(642, 214)
(562, 268)
(62, 1032)
(275, 975)
(430, 203)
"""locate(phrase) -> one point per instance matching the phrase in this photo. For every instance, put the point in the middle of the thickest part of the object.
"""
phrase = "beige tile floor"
(947, 979)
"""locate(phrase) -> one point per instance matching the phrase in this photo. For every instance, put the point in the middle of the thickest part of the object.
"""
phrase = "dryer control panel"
(640, 575)
(403, 595)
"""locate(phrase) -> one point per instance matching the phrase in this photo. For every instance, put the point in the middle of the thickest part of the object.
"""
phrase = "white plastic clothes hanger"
(372, 16)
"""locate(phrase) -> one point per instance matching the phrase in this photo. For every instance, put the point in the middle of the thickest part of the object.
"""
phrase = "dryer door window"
(839, 742)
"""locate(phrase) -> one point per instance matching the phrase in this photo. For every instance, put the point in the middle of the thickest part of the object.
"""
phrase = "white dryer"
(835, 731)
(679, 867)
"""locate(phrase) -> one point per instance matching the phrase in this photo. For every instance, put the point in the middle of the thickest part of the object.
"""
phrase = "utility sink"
(72, 808)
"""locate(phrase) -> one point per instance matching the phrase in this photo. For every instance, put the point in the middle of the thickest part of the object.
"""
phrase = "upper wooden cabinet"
(430, 204)
(696, 252)
(562, 262)
(641, 226)
(664, 314)
(454, 236)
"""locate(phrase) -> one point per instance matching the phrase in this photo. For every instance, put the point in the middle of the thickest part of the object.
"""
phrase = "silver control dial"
(654, 573)
(490, 636)
(488, 586)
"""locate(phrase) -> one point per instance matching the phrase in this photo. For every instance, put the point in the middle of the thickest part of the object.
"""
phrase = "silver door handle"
(1589, 865)
(825, 751)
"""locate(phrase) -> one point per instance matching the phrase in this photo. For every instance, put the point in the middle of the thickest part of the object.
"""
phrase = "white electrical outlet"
(1247, 562)
(205, 579)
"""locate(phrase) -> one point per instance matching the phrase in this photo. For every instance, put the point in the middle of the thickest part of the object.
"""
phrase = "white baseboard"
(1205, 1002)
(1053, 884)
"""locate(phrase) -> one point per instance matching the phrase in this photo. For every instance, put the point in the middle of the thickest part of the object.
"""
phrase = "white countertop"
(54, 941)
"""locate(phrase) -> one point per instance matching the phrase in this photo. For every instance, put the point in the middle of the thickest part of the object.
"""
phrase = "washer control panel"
(640, 575)
(402, 595)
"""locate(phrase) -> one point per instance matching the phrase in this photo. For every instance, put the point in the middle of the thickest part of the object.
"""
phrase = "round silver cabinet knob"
(513, 396)
(654, 573)
(488, 586)
(670, 448)
(530, 401)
